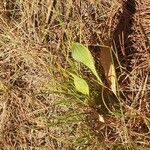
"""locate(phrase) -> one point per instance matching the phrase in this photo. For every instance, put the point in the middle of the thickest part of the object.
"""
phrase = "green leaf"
(80, 84)
(82, 54)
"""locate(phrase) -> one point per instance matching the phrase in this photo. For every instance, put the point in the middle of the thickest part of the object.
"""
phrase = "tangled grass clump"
(40, 108)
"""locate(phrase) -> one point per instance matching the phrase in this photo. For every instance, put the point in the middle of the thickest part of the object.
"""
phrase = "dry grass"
(39, 108)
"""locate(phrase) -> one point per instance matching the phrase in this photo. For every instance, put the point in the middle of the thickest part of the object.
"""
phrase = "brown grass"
(39, 108)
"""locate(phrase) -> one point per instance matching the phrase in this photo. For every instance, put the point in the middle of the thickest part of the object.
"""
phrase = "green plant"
(82, 55)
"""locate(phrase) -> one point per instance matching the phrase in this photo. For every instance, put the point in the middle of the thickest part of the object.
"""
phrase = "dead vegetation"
(39, 108)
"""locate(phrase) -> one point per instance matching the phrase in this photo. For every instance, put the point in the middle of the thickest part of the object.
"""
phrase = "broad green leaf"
(80, 84)
(82, 54)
